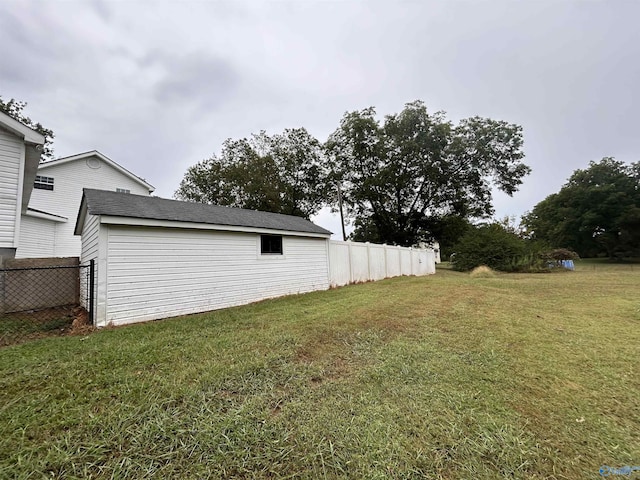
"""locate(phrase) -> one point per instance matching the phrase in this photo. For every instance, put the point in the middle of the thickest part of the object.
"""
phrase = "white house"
(158, 258)
(20, 149)
(48, 224)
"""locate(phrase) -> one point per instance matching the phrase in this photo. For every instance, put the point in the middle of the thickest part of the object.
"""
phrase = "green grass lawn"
(446, 376)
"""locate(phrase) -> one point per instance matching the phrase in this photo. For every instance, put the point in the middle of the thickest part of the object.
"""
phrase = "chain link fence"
(37, 301)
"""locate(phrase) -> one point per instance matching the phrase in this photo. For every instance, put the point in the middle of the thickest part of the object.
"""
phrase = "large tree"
(15, 109)
(400, 176)
(282, 173)
(596, 212)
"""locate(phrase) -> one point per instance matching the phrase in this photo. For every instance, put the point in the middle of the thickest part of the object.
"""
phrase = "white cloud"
(158, 86)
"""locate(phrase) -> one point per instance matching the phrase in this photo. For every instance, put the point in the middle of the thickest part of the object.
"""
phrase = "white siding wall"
(155, 273)
(90, 237)
(352, 262)
(37, 238)
(64, 200)
(11, 155)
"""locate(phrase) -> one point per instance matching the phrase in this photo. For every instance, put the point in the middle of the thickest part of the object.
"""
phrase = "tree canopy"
(280, 173)
(416, 167)
(596, 212)
(15, 109)
(401, 180)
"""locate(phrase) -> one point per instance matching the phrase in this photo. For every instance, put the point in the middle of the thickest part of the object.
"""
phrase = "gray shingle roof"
(102, 202)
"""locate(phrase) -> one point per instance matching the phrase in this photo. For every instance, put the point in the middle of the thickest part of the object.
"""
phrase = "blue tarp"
(568, 264)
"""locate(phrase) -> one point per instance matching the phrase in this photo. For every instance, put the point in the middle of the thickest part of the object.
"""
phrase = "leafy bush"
(491, 245)
(557, 255)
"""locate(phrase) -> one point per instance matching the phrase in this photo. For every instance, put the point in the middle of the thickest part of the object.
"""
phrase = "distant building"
(48, 223)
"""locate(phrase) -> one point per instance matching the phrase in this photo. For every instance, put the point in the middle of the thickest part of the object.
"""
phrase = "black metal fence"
(41, 301)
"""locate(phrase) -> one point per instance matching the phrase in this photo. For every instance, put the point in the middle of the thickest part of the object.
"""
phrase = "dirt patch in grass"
(482, 272)
(341, 345)
(327, 360)
(20, 327)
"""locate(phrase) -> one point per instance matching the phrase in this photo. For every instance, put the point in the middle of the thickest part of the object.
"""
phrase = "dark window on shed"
(271, 244)
(43, 183)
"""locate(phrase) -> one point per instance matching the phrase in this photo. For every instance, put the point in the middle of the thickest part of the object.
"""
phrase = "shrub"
(558, 255)
(491, 245)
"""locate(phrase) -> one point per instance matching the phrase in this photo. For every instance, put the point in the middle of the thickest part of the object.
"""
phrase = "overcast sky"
(159, 85)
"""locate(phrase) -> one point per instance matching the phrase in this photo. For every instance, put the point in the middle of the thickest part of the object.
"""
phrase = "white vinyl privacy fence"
(351, 262)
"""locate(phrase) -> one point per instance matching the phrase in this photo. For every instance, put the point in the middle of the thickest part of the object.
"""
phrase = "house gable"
(68, 179)
(95, 160)
(58, 192)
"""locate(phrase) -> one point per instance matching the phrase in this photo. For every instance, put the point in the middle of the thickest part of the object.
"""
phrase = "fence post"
(369, 261)
(92, 284)
(386, 263)
(2, 286)
(350, 263)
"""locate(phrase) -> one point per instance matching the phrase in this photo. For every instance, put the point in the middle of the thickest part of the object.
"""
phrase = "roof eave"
(32, 156)
(136, 221)
(82, 215)
(28, 134)
(45, 215)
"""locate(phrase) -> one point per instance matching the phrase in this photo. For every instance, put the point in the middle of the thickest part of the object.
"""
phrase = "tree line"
(414, 177)
(596, 213)
(400, 180)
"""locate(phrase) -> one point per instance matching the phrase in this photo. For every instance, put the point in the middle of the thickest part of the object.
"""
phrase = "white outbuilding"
(157, 258)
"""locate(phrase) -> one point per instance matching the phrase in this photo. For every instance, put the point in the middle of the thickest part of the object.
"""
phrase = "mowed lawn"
(446, 376)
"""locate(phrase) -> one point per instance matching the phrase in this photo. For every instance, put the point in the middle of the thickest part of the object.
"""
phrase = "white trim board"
(145, 222)
(46, 216)
(21, 130)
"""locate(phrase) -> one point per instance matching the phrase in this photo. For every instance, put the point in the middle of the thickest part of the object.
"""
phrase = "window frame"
(122, 190)
(42, 182)
(270, 254)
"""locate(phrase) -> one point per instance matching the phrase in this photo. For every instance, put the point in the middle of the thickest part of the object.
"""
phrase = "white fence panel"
(377, 262)
(351, 262)
(416, 262)
(429, 264)
(405, 262)
(393, 262)
(339, 263)
(359, 262)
